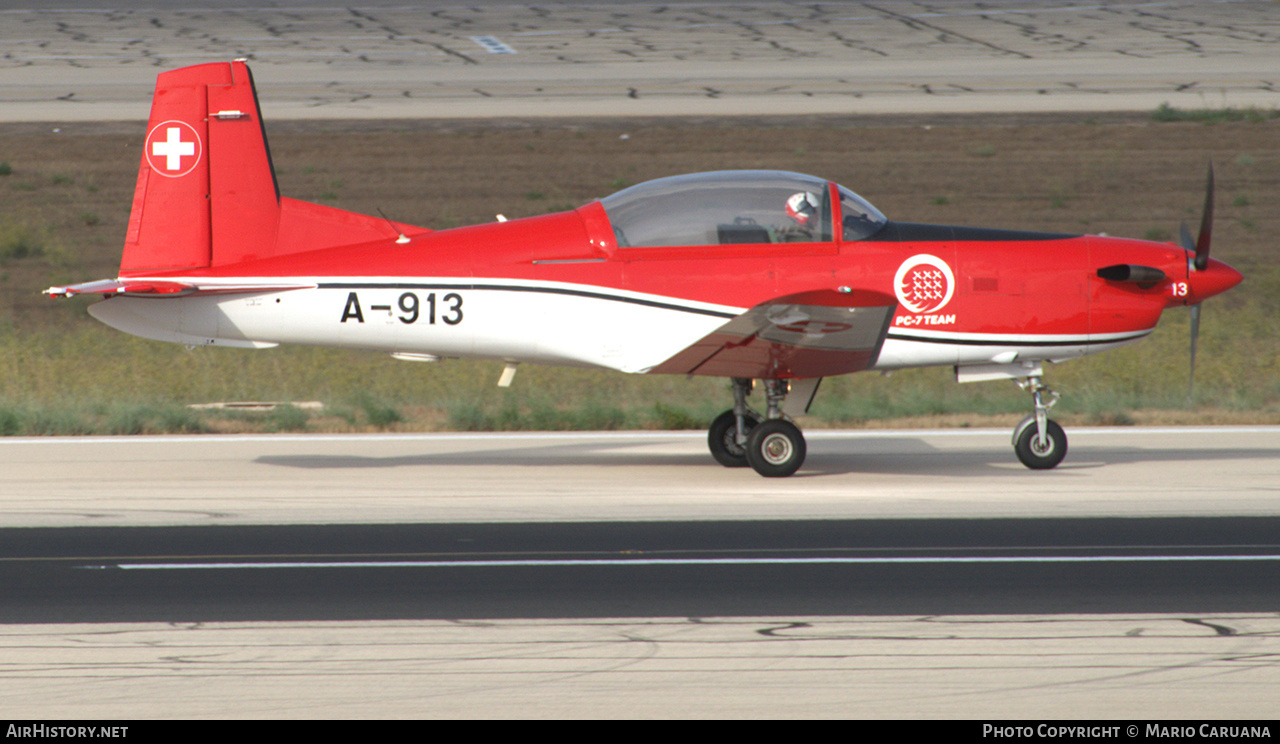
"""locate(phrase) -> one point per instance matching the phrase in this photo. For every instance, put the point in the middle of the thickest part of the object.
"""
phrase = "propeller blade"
(1195, 333)
(1184, 238)
(1206, 225)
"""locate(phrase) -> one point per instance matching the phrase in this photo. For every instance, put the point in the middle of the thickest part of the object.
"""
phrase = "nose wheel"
(771, 445)
(1039, 455)
(1039, 442)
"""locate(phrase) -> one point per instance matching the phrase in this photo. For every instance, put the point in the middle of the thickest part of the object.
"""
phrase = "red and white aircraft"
(749, 275)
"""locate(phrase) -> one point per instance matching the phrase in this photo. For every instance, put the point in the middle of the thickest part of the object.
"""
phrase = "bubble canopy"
(736, 207)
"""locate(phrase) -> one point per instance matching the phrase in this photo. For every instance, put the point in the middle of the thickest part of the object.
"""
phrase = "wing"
(810, 334)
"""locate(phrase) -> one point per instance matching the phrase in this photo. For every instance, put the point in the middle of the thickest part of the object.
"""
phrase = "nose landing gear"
(1039, 442)
(771, 445)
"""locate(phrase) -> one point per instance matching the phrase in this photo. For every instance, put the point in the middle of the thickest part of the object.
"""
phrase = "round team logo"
(924, 283)
(173, 148)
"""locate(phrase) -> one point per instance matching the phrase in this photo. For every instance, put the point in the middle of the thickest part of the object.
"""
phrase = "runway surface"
(626, 476)
(625, 574)
(640, 569)
(93, 60)
(1113, 618)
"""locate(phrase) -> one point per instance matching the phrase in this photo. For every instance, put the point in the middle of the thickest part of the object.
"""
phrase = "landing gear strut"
(770, 444)
(1039, 442)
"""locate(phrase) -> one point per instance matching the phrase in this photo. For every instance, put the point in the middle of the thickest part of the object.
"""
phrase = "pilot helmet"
(802, 206)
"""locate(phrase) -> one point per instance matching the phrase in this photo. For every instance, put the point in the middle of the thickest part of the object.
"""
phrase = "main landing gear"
(770, 444)
(1040, 443)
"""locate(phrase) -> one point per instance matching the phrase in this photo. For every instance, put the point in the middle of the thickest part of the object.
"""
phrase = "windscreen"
(860, 219)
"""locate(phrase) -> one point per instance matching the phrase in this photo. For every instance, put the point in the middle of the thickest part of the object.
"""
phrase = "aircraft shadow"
(923, 459)
(605, 453)
(888, 456)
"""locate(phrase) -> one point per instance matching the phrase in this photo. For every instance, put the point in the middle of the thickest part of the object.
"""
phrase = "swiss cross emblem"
(924, 283)
(173, 148)
(816, 327)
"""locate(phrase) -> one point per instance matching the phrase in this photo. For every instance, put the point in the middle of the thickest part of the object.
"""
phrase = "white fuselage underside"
(512, 320)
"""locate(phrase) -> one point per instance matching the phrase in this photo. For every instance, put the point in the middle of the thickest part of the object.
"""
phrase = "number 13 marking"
(1179, 289)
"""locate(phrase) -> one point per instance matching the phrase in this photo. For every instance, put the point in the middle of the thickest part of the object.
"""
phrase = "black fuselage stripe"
(1010, 342)
(913, 232)
(694, 310)
(538, 290)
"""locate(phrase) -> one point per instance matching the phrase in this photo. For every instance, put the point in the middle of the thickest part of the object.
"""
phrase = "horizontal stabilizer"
(143, 288)
(809, 334)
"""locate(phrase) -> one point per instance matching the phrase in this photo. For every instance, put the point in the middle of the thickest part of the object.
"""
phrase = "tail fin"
(206, 192)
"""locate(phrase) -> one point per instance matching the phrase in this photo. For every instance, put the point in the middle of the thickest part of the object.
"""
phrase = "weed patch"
(377, 413)
(19, 241)
(1166, 113)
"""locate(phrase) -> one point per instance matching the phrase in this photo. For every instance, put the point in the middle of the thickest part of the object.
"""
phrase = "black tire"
(775, 448)
(1031, 455)
(722, 439)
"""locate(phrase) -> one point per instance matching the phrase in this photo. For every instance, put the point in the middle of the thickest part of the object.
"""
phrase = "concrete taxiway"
(310, 479)
(316, 59)
(1122, 668)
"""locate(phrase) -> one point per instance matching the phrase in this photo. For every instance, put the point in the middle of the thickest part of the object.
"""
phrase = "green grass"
(19, 241)
(378, 413)
(81, 417)
(1166, 113)
(94, 380)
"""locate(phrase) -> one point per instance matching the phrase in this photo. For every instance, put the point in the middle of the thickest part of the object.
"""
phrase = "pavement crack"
(772, 631)
(916, 23)
(1221, 630)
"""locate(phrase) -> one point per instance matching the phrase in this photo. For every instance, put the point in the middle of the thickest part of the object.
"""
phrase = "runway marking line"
(686, 562)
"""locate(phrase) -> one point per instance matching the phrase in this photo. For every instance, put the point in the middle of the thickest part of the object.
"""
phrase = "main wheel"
(775, 448)
(1033, 455)
(723, 440)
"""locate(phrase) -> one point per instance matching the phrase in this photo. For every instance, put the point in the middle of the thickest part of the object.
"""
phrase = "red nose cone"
(1216, 278)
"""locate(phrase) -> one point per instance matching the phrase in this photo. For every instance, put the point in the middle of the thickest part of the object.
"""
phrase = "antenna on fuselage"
(400, 240)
